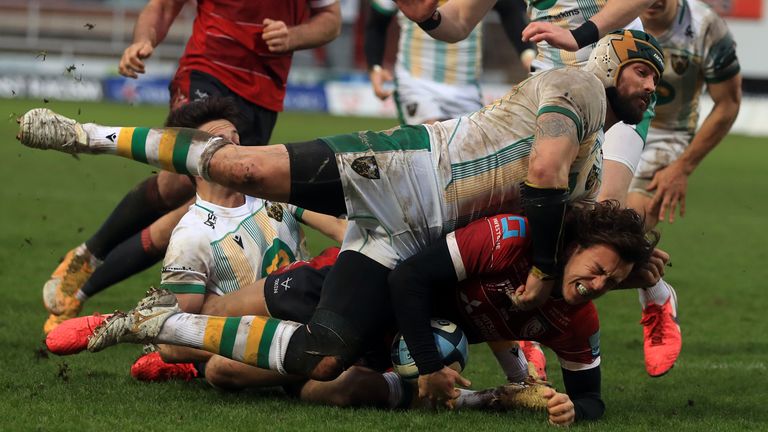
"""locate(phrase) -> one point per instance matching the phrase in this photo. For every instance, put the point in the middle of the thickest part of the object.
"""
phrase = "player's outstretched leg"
(172, 149)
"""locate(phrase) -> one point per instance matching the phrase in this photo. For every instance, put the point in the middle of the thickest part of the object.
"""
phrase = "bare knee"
(220, 374)
(258, 171)
(328, 369)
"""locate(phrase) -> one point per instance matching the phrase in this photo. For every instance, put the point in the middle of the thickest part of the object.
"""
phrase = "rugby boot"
(151, 368)
(140, 325)
(71, 337)
(662, 337)
(537, 362)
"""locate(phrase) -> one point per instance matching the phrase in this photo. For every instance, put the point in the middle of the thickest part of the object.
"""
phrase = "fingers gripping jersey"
(219, 250)
(493, 255)
(698, 49)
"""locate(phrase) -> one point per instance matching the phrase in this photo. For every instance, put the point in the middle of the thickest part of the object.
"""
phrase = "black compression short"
(315, 181)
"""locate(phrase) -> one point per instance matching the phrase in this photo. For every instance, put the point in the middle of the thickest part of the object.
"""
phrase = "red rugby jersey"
(227, 43)
(492, 258)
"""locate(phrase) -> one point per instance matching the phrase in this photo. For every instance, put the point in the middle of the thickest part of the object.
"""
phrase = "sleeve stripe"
(184, 288)
(566, 112)
(578, 366)
(453, 249)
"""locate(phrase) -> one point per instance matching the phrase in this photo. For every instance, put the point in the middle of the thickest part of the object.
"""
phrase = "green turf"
(51, 202)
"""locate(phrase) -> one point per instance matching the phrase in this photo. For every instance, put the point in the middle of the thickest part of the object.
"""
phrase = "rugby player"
(537, 148)
(490, 259)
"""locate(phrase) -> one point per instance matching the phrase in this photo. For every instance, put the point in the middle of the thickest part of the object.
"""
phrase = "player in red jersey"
(238, 49)
(605, 247)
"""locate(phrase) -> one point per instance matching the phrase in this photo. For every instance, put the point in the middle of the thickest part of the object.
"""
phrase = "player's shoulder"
(573, 82)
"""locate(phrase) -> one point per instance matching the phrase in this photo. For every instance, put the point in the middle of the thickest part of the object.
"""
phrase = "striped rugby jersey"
(430, 59)
(220, 250)
(568, 14)
(698, 49)
(483, 157)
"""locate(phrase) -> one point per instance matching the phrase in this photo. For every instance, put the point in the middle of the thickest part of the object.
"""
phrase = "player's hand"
(276, 36)
(556, 36)
(417, 10)
(379, 76)
(670, 185)
(533, 294)
(440, 387)
(560, 408)
(648, 274)
(131, 63)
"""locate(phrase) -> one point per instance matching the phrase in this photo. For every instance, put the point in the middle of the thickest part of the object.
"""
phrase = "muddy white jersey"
(220, 249)
(698, 49)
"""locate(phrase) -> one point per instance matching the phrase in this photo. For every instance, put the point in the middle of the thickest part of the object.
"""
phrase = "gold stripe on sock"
(251, 354)
(165, 152)
(212, 337)
(124, 142)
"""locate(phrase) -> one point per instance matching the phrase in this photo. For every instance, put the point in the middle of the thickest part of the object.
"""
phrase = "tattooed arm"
(544, 198)
(555, 147)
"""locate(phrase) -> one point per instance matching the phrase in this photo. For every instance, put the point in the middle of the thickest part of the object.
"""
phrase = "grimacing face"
(221, 128)
(591, 272)
(632, 95)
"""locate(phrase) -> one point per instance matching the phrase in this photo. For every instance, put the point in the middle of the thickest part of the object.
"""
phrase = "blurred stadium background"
(69, 49)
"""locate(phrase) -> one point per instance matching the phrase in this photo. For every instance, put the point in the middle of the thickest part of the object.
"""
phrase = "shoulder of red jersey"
(489, 245)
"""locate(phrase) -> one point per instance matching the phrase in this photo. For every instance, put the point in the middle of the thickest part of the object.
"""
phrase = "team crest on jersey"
(411, 108)
(679, 63)
(367, 167)
(593, 178)
(533, 328)
(275, 211)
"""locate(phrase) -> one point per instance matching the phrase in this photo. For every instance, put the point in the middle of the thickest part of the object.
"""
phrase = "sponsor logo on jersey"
(111, 137)
(469, 305)
(238, 240)
(278, 255)
(367, 167)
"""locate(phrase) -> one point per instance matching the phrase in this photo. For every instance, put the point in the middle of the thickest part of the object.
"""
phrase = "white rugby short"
(662, 147)
(419, 100)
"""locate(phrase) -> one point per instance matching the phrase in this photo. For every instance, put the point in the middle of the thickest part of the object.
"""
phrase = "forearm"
(329, 226)
(155, 20)
(513, 20)
(376, 37)
(459, 18)
(323, 26)
(617, 14)
(714, 128)
(583, 387)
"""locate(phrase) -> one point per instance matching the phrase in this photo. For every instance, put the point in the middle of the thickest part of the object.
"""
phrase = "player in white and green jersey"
(434, 80)
(699, 52)
(217, 249)
(537, 148)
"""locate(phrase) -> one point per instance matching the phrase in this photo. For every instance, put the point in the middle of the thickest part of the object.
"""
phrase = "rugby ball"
(451, 343)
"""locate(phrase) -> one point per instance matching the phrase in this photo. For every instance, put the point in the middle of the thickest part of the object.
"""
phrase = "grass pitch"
(51, 202)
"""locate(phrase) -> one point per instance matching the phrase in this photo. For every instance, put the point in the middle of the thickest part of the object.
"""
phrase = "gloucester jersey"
(227, 44)
(491, 257)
